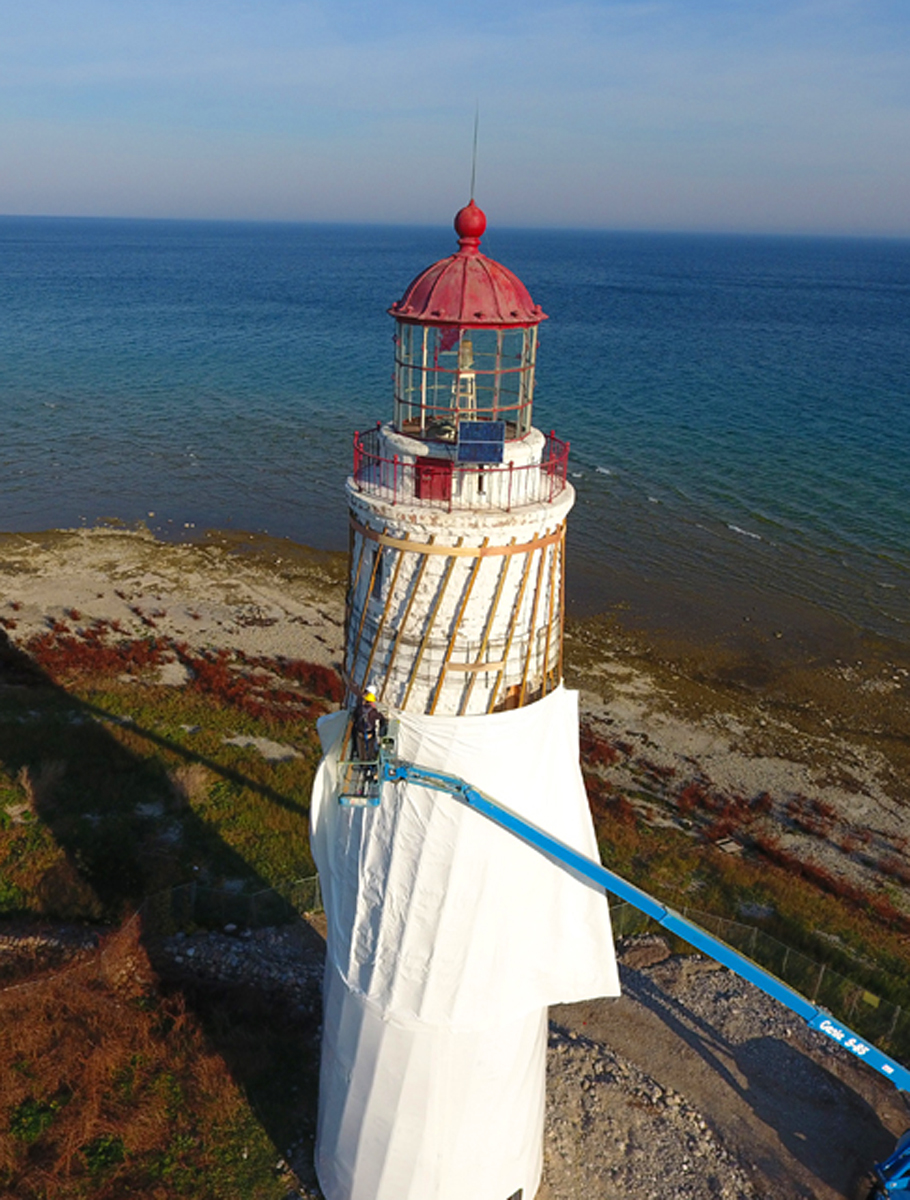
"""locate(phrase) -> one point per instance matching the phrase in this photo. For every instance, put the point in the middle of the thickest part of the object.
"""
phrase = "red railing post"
(395, 479)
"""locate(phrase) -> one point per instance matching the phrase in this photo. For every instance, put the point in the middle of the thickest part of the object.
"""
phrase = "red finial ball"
(470, 222)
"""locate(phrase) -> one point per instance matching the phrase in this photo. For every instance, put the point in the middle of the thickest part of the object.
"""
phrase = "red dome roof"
(467, 288)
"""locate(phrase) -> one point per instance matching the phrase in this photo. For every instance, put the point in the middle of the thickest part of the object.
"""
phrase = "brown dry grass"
(191, 782)
(40, 783)
(108, 1089)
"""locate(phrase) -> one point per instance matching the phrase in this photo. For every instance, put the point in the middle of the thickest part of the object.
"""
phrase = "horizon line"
(660, 231)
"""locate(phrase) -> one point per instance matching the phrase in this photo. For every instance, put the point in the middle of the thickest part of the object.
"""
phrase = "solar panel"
(481, 441)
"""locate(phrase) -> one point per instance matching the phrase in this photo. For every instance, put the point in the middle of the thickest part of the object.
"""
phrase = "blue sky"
(777, 116)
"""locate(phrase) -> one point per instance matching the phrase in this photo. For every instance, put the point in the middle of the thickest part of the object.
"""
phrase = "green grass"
(681, 870)
(130, 788)
(111, 791)
(115, 1091)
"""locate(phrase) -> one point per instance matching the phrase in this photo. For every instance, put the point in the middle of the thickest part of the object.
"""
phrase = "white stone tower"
(447, 937)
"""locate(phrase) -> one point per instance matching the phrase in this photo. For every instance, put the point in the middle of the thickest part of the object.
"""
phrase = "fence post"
(894, 1021)
(818, 982)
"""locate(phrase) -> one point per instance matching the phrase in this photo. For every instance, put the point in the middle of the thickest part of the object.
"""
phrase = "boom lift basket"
(361, 780)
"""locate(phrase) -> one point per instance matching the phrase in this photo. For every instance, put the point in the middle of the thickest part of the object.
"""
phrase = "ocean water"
(738, 408)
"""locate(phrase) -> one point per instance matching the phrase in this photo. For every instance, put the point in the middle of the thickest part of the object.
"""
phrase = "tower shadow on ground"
(88, 841)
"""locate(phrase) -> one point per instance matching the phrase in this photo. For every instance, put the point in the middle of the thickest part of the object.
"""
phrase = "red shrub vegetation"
(826, 811)
(596, 751)
(834, 885)
(895, 867)
(656, 771)
(722, 827)
(692, 797)
(65, 655)
(762, 803)
(810, 815)
(231, 681)
(313, 677)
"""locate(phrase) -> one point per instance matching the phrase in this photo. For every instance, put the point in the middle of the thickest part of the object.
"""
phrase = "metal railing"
(441, 483)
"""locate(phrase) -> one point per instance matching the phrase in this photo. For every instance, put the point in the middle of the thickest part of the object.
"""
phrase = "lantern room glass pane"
(444, 374)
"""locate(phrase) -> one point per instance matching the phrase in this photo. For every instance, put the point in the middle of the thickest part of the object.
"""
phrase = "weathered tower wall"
(454, 613)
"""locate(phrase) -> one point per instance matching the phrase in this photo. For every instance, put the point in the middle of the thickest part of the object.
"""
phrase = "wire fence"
(884, 1024)
(193, 904)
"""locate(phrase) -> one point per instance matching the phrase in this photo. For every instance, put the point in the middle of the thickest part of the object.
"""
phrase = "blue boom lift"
(362, 786)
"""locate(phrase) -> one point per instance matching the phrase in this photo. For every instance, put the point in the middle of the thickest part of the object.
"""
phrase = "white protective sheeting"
(423, 1112)
(447, 939)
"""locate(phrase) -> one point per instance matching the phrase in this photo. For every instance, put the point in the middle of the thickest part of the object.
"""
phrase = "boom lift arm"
(394, 771)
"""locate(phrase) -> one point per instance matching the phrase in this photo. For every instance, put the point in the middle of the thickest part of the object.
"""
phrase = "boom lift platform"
(362, 779)
(892, 1176)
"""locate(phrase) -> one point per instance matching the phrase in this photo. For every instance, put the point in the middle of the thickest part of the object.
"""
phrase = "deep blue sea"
(738, 407)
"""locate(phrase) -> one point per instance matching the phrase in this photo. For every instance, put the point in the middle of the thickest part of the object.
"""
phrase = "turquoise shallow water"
(738, 408)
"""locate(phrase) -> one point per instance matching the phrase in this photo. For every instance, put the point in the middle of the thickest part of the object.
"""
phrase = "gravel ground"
(692, 1084)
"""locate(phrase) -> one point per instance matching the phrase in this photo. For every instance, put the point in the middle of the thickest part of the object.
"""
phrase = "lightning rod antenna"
(474, 155)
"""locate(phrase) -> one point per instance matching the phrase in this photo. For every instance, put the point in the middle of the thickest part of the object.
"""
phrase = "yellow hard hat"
(370, 697)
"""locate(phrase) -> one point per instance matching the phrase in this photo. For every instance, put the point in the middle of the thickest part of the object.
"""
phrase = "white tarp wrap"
(447, 939)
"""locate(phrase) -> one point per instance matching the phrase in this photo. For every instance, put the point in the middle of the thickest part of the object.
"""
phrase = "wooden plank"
(476, 668)
(459, 616)
(562, 600)
(440, 595)
(457, 551)
(552, 589)
(531, 629)
(382, 620)
(511, 634)
(488, 629)
(404, 620)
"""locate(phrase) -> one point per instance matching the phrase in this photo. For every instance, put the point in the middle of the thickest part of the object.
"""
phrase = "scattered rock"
(642, 951)
(273, 751)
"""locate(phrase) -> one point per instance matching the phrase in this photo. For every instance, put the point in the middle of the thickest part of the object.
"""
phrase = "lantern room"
(465, 345)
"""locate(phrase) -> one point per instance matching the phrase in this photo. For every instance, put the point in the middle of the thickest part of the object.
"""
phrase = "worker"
(367, 728)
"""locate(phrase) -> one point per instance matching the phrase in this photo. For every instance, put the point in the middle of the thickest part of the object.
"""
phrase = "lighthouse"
(448, 937)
